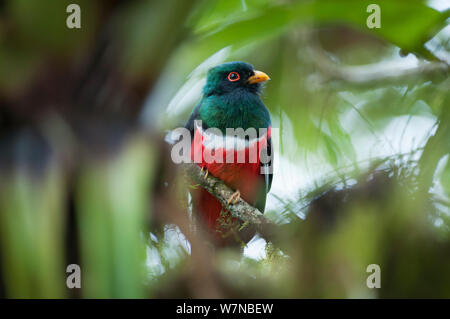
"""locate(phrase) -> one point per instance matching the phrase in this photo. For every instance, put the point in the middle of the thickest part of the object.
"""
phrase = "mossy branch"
(240, 209)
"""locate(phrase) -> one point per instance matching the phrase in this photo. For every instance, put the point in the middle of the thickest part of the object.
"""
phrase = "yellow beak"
(258, 77)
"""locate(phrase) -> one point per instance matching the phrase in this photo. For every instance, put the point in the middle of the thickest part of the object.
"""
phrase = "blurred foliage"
(85, 177)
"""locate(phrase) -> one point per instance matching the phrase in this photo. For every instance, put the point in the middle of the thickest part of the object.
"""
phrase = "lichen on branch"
(239, 209)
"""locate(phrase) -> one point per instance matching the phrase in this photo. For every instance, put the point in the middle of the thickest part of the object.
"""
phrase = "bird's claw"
(204, 170)
(234, 198)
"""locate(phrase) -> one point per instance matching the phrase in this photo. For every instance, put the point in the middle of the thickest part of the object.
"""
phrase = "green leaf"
(407, 24)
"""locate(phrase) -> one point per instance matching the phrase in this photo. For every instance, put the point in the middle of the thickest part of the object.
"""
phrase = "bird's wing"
(194, 116)
(266, 176)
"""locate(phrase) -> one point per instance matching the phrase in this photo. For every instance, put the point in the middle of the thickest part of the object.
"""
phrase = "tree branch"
(382, 73)
(241, 209)
(370, 75)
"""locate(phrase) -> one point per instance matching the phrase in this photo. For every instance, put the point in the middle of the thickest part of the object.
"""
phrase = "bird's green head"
(233, 77)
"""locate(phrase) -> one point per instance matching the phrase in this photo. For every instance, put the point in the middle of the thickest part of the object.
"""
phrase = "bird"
(231, 100)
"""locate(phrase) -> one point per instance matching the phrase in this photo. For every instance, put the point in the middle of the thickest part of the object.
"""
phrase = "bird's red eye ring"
(233, 77)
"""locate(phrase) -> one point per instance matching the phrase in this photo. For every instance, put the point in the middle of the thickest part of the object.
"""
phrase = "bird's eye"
(233, 77)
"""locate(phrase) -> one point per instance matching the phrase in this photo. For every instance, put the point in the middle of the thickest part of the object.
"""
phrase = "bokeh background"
(362, 172)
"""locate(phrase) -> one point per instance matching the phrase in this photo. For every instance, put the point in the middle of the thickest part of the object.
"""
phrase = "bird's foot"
(234, 198)
(205, 170)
